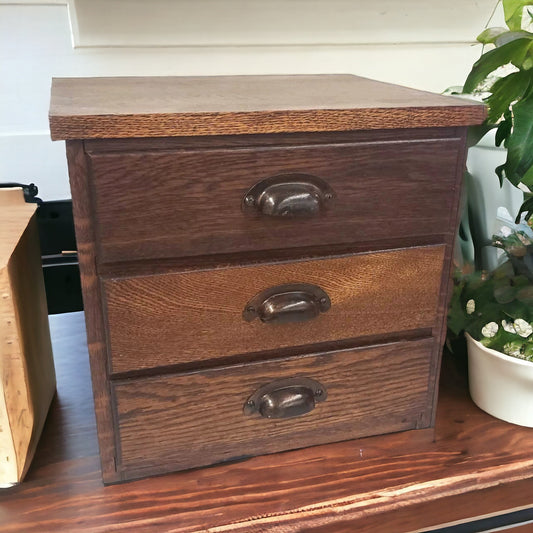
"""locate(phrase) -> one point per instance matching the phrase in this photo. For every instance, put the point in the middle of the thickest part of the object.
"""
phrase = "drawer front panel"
(189, 202)
(183, 421)
(192, 316)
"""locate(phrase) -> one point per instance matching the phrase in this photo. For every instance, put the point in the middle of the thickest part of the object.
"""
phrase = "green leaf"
(520, 141)
(503, 131)
(504, 292)
(527, 208)
(489, 35)
(525, 295)
(527, 64)
(509, 36)
(520, 282)
(513, 10)
(500, 172)
(505, 91)
(457, 317)
(528, 178)
(513, 52)
(453, 90)
(516, 309)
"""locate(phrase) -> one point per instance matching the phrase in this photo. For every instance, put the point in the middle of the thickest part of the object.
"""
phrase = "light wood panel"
(27, 378)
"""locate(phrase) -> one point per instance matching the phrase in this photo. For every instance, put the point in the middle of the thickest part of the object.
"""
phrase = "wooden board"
(85, 108)
(27, 378)
(194, 316)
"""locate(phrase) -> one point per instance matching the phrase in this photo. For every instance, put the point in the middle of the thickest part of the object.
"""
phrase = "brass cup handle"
(285, 398)
(295, 302)
(288, 195)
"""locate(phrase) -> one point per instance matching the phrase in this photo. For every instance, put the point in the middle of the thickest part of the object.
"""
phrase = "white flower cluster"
(489, 330)
(519, 326)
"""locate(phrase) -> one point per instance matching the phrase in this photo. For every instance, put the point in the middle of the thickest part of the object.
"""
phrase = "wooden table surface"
(476, 466)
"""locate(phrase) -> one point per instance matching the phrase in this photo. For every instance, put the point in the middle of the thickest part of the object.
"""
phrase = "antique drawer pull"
(286, 398)
(288, 195)
(296, 302)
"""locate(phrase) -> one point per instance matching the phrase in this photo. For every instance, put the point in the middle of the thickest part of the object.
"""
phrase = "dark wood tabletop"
(476, 466)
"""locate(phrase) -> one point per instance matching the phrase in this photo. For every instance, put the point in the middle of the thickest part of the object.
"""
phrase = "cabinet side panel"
(447, 282)
(82, 209)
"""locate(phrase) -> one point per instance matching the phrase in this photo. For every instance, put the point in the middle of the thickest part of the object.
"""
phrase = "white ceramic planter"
(499, 384)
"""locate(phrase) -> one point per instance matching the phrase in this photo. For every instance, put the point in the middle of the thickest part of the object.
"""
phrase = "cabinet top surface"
(83, 108)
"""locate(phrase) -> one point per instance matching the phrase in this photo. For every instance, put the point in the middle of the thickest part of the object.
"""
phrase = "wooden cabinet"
(242, 239)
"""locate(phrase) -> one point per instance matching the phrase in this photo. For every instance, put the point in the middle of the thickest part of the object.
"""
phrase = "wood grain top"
(84, 108)
(392, 484)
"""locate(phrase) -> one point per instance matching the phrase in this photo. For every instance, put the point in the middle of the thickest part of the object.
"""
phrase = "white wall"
(425, 44)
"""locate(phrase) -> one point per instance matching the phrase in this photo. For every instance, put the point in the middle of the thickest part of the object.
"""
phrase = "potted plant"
(503, 78)
(495, 311)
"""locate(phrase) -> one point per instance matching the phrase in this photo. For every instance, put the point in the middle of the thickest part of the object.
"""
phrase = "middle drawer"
(183, 317)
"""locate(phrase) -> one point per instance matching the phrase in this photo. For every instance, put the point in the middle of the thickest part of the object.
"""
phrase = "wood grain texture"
(395, 483)
(447, 272)
(192, 316)
(159, 204)
(16, 214)
(268, 139)
(82, 210)
(27, 378)
(83, 108)
(183, 421)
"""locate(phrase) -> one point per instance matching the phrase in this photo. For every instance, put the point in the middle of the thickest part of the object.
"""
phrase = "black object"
(56, 228)
(59, 256)
(30, 191)
(58, 250)
(516, 518)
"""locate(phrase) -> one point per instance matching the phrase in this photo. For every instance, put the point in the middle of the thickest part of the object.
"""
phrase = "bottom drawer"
(182, 421)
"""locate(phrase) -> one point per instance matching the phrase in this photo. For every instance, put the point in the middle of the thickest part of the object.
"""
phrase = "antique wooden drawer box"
(265, 260)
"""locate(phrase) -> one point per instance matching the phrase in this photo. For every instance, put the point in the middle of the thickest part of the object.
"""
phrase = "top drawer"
(188, 202)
